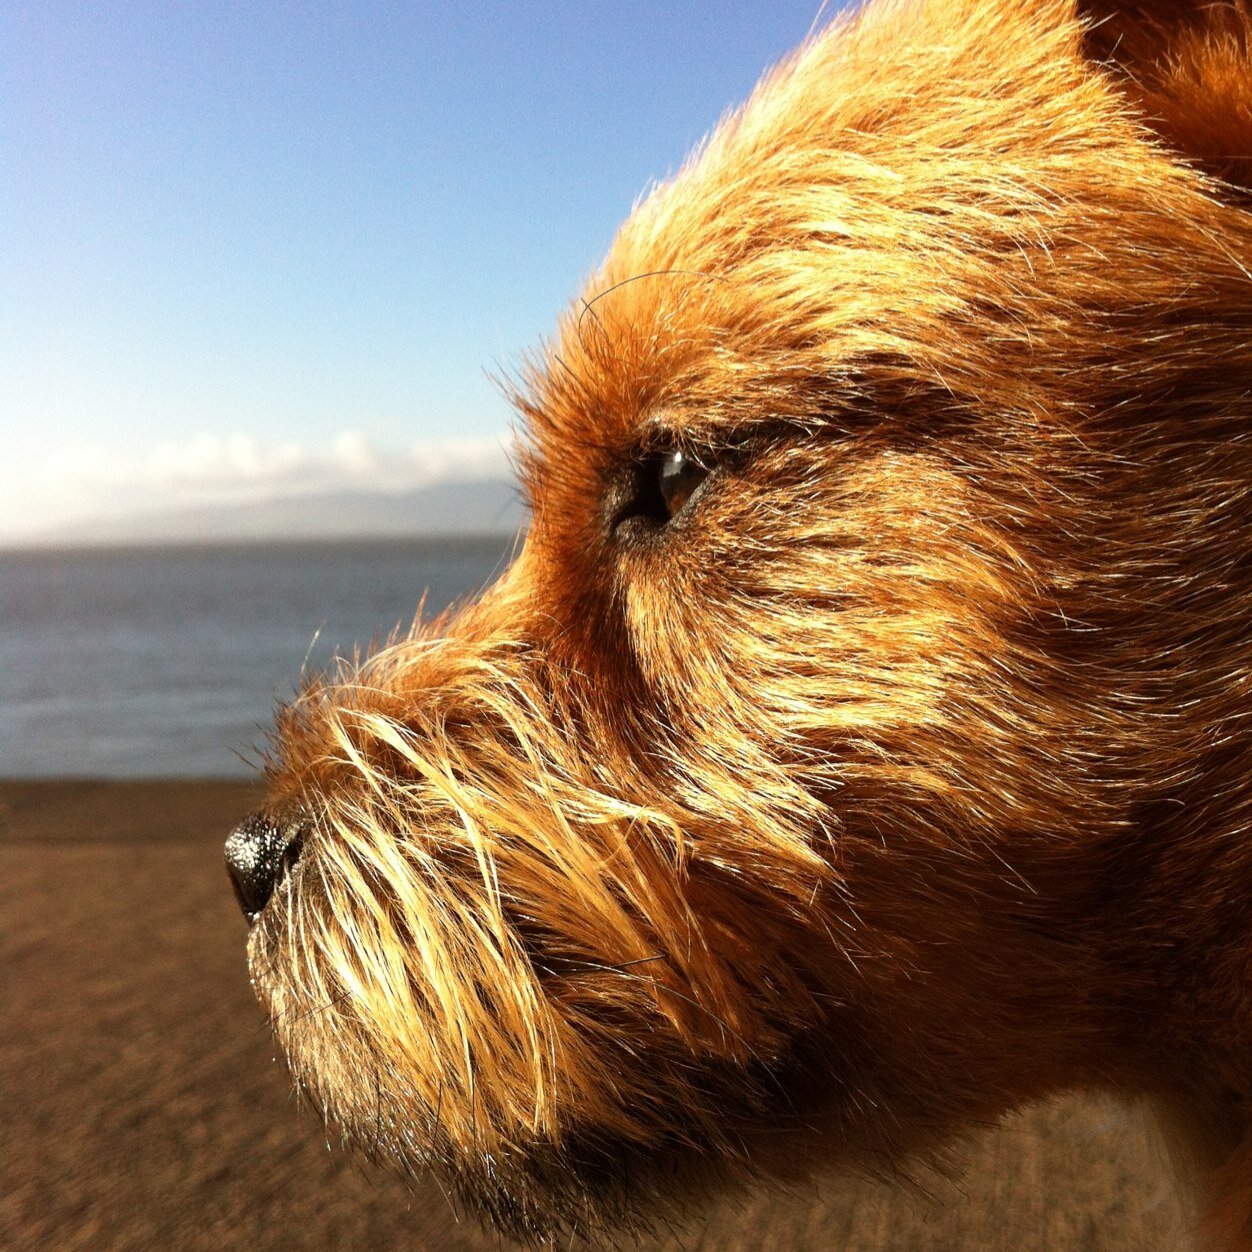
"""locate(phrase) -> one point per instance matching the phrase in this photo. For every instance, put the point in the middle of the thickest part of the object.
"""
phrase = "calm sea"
(167, 661)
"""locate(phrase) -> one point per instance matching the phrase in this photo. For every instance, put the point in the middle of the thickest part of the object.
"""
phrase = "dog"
(860, 745)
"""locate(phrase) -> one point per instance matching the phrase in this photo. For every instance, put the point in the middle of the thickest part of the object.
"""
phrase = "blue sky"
(242, 238)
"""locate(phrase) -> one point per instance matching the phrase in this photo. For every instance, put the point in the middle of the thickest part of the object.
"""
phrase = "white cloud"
(76, 483)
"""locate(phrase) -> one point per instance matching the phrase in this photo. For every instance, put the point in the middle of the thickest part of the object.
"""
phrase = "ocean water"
(167, 662)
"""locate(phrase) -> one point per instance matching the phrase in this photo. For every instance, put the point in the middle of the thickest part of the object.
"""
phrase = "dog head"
(803, 780)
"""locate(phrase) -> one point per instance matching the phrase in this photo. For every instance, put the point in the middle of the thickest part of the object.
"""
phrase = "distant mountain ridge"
(491, 506)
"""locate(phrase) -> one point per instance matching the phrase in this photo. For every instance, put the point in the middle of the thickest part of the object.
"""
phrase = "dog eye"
(677, 478)
(656, 490)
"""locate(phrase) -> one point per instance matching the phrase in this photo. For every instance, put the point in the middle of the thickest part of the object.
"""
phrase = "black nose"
(260, 850)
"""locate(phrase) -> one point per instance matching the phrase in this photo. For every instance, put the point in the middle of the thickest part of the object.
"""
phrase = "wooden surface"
(141, 1105)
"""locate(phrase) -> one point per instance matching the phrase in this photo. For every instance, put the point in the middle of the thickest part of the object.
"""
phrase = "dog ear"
(1188, 65)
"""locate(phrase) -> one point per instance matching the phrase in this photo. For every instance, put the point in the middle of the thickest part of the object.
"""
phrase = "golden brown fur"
(903, 776)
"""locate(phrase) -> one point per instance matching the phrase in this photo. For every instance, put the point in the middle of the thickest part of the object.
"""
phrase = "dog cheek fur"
(510, 990)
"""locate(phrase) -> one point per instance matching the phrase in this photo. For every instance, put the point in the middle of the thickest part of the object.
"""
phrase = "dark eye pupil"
(677, 478)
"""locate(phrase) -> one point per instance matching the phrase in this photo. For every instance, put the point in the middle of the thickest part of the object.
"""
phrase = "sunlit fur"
(904, 776)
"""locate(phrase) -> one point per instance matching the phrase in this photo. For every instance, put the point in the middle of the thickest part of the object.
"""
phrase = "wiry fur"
(904, 776)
